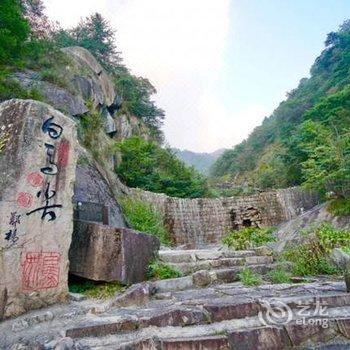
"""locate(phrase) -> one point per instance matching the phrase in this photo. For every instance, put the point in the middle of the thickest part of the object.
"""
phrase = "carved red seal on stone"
(40, 270)
(24, 199)
(35, 179)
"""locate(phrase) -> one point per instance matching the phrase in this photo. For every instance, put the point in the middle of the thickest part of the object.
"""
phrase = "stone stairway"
(188, 314)
(224, 316)
(202, 267)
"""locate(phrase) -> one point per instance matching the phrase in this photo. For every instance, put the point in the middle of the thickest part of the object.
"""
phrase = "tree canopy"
(14, 31)
(146, 165)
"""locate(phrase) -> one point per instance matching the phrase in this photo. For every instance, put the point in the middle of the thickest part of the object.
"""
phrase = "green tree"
(96, 35)
(146, 165)
(14, 31)
(136, 93)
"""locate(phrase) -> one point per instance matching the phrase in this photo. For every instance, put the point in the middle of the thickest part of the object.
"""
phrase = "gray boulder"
(95, 85)
(341, 259)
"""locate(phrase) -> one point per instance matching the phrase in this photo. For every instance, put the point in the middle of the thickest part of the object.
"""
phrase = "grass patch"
(91, 125)
(249, 278)
(279, 275)
(312, 257)
(249, 237)
(142, 217)
(161, 271)
(96, 290)
(339, 207)
(10, 88)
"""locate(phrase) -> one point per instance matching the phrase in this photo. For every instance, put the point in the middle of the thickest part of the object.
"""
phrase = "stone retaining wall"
(196, 222)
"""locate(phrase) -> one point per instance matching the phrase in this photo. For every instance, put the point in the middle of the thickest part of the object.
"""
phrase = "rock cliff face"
(37, 167)
(86, 83)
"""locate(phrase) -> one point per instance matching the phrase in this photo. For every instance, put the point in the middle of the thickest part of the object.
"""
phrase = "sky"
(219, 66)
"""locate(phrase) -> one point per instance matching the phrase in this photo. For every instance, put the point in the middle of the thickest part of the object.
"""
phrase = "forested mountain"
(200, 161)
(307, 138)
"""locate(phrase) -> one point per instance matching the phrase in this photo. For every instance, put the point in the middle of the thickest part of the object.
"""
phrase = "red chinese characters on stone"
(35, 179)
(24, 199)
(63, 154)
(40, 271)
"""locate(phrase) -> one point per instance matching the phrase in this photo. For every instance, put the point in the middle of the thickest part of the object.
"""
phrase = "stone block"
(222, 311)
(209, 342)
(173, 284)
(137, 294)
(104, 253)
(201, 278)
(255, 260)
(37, 173)
(301, 333)
(269, 338)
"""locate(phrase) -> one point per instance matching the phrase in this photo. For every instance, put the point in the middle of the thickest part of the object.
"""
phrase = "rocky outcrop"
(95, 85)
(289, 233)
(128, 126)
(104, 253)
(93, 186)
(37, 167)
(60, 98)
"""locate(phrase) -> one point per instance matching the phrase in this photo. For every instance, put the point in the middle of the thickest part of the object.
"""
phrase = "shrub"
(311, 258)
(162, 271)
(249, 278)
(10, 88)
(91, 124)
(279, 275)
(142, 217)
(249, 237)
(340, 207)
(96, 290)
(346, 250)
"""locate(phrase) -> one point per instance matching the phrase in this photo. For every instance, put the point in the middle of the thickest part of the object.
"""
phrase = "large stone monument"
(37, 172)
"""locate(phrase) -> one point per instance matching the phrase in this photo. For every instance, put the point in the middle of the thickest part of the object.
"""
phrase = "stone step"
(205, 277)
(243, 334)
(190, 267)
(188, 256)
(202, 313)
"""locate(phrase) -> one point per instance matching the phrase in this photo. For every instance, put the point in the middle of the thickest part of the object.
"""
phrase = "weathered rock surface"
(37, 167)
(104, 253)
(58, 97)
(128, 126)
(341, 259)
(92, 186)
(96, 85)
(290, 232)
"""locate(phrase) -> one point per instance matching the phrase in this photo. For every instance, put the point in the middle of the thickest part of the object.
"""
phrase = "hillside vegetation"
(306, 141)
(201, 161)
